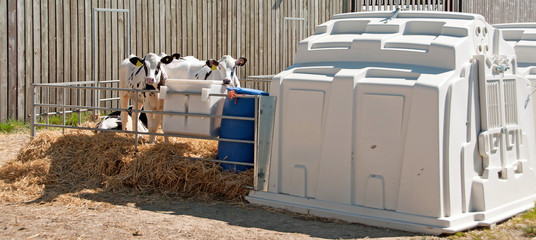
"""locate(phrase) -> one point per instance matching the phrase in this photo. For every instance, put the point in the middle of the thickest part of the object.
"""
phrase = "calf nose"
(149, 80)
(226, 81)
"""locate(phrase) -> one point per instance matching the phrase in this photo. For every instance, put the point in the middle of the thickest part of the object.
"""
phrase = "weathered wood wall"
(51, 41)
(495, 11)
(502, 11)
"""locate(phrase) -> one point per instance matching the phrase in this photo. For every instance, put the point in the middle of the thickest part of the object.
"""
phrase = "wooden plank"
(21, 80)
(227, 28)
(269, 36)
(210, 30)
(149, 26)
(171, 25)
(12, 59)
(172, 33)
(108, 51)
(156, 24)
(88, 32)
(115, 42)
(3, 60)
(52, 64)
(192, 31)
(204, 29)
(155, 13)
(139, 28)
(241, 40)
(73, 54)
(121, 35)
(162, 23)
(59, 47)
(264, 35)
(101, 42)
(44, 55)
(222, 27)
(66, 49)
(277, 39)
(185, 23)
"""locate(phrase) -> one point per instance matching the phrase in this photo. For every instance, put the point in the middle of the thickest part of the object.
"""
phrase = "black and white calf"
(113, 121)
(149, 74)
(192, 68)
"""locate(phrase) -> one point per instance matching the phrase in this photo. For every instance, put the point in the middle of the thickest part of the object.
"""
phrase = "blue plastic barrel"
(238, 129)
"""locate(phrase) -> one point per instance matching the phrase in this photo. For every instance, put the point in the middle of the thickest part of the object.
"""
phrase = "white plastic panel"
(302, 133)
(379, 146)
(201, 103)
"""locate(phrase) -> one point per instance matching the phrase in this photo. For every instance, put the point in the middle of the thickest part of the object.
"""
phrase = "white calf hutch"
(419, 121)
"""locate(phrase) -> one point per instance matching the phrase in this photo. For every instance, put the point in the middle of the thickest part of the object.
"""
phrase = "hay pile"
(54, 164)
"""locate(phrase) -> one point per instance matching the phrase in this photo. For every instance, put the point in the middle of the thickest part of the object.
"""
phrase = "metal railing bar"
(109, 81)
(109, 99)
(217, 161)
(59, 112)
(147, 111)
(146, 133)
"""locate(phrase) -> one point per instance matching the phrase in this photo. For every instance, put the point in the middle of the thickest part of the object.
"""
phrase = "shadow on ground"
(64, 179)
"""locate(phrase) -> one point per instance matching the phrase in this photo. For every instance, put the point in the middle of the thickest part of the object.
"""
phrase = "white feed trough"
(198, 102)
(417, 121)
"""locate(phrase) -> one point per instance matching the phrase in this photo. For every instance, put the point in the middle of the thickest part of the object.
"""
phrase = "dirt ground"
(119, 216)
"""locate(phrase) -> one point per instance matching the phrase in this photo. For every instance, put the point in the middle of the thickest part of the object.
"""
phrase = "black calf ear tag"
(176, 55)
(241, 61)
(136, 61)
(166, 59)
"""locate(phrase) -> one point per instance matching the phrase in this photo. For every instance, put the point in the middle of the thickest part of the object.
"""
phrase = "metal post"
(263, 140)
(136, 121)
(63, 113)
(95, 71)
(32, 111)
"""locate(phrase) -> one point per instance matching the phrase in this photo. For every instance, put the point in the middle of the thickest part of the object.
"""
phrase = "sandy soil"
(126, 217)
(122, 216)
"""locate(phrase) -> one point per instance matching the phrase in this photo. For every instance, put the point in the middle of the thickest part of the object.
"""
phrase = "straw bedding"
(54, 165)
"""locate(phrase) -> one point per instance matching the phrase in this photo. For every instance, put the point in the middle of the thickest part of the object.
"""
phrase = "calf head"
(227, 68)
(155, 76)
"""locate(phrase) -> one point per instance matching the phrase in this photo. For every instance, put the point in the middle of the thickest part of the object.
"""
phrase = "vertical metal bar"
(32, 111)
(256, 132)
(95, 71)
(63, 113)
(136, 121)
(265, 128)
(79, 103)
(47, 120)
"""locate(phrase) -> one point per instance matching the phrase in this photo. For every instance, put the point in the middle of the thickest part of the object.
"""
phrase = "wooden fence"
(51, 41)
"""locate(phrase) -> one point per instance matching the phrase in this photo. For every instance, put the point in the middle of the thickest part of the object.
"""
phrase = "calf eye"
(156, 72)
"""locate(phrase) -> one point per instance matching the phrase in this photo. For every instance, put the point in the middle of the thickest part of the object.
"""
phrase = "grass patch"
(530, 231)
(16, 126)
(13, 126)
(70, 119)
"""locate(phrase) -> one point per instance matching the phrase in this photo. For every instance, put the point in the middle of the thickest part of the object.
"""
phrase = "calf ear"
(136, 61)
(166, 59)
(176, 55)
(212, 64)
(241, 61)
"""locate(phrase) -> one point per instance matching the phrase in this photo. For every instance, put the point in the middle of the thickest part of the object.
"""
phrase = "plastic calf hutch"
(419, 121)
